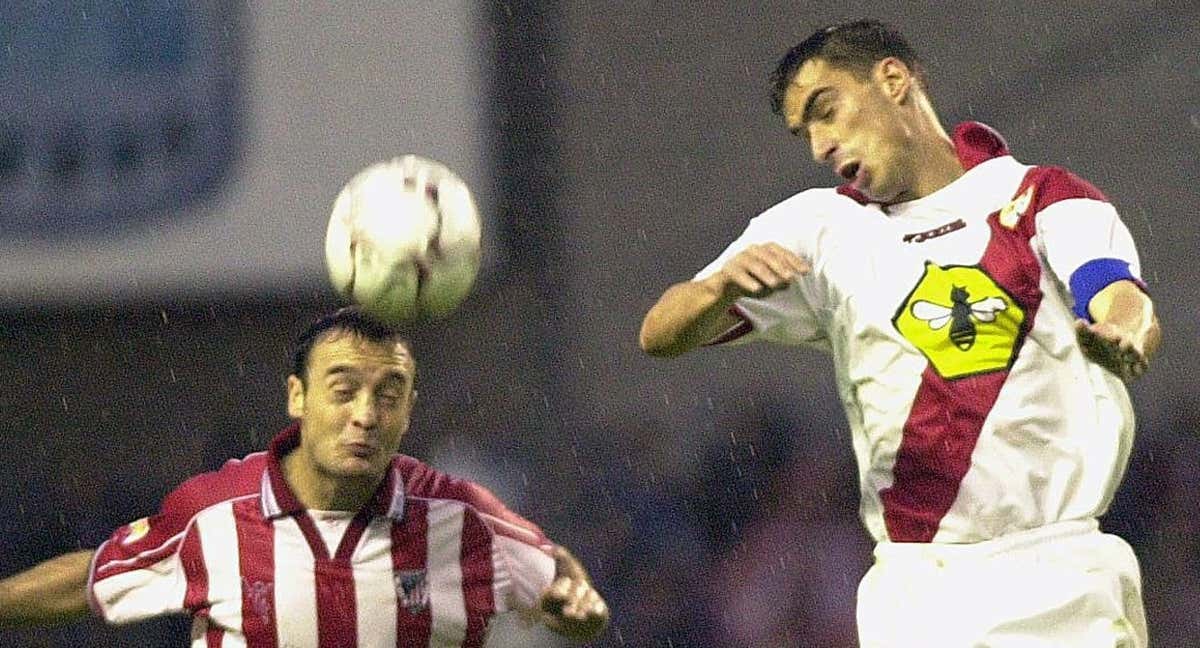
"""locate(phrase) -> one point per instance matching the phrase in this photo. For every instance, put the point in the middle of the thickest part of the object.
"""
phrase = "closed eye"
(820, 102)
(388, 400)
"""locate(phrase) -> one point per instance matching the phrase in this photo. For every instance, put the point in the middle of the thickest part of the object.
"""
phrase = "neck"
(937, 162)
(318, 490)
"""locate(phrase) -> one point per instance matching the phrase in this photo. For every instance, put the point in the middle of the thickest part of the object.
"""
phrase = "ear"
(295, 397)
(894, 78)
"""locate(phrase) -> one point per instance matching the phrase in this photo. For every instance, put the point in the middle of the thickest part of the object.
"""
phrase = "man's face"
(353, 405)
(855, 125)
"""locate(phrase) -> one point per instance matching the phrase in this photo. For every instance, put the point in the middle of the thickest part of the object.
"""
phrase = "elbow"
(654, 343)
(661, 352)
(648, 344)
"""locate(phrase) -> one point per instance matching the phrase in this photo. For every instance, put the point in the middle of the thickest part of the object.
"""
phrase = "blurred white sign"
(319, 93)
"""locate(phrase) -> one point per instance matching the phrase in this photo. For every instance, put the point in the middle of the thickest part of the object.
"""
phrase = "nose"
(364, 414)
(822, 148)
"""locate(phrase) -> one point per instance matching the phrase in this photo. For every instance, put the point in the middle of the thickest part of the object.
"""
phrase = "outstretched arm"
(54, 591)
(1125, 335)
(570, 606)
(693, 313)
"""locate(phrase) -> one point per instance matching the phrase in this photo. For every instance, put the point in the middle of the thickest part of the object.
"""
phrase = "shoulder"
(1054, 184)
(802, 220)
(149, 539)
(236, 478)
(425, 482)
(809, 206)
(1052, 194)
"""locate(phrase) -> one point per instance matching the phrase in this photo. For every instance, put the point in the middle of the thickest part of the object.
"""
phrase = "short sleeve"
(524, 571)
(155, 565)
(522, 562)
(521, 552)
(793, 315)
(1075, 232)
(1082, 237)
(141, 571)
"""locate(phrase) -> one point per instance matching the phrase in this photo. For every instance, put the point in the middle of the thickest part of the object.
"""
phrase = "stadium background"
(162, 244)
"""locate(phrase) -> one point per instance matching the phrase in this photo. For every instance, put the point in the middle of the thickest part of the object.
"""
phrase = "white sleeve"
(522, 570)
(1078, 230)
(793, 315)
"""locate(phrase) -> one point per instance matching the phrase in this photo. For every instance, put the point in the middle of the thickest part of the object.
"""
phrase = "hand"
(1113, 347)
(762, 269)
(573, 608)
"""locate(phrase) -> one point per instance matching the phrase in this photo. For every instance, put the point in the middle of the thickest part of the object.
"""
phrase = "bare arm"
(54, 591)
(570, 606)
(1125, 335)
(692, 313)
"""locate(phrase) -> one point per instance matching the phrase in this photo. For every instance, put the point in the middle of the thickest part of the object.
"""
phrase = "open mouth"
(849, 171)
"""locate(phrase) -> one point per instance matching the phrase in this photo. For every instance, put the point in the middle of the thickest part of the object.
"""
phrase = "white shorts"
(1059, 586)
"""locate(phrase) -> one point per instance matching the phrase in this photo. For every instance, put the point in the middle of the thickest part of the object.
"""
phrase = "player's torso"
(959, 372)
(424, 582)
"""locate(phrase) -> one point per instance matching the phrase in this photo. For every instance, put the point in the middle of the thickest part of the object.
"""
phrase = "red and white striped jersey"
(972, 409)
(428, 562)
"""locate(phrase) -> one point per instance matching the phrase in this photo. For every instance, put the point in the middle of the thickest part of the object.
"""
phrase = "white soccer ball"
(403, 240)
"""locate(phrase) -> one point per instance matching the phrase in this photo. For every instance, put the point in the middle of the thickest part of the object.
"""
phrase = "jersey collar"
(974, 143)
(278, 500)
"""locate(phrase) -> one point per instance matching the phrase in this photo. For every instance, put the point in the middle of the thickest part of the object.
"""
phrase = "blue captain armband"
(1094, 276)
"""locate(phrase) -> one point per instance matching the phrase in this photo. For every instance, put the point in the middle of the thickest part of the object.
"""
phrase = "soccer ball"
(403, 240)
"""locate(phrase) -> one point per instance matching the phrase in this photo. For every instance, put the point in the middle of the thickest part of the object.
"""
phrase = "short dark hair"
(854, 46)
(350, 319)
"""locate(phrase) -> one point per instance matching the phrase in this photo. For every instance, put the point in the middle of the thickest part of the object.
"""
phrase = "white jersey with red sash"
(950, 320)
(428, 562)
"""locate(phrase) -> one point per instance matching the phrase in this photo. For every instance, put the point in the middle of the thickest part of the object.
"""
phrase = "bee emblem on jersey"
(959, 315)
(961, 320)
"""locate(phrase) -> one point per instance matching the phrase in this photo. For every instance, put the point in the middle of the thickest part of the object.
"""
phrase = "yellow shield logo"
(961, 320)
(137, 530)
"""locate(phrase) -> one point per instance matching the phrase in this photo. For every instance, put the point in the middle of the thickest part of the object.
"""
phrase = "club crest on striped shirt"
(260, 595)
(412, 590)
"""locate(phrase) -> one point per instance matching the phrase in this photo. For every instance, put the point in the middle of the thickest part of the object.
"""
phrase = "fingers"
(555, 597)
(572, 598)
(1112, 348)
(760, 270)
(583, 603)
(575, 608)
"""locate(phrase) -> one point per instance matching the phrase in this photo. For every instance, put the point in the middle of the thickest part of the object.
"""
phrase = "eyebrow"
(343, 370)
(336, 370)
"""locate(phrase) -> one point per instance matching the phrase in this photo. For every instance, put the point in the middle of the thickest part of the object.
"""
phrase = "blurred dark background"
(162, 244)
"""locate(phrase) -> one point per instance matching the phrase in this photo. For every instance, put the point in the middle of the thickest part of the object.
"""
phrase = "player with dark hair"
(328, 538)
(982, 315)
